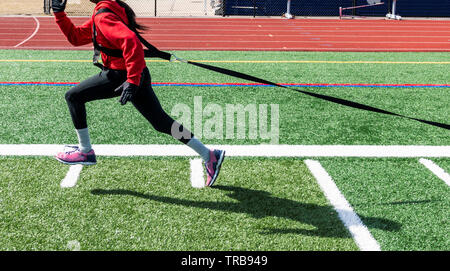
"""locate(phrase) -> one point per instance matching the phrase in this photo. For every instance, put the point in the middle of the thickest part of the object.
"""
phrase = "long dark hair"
(131, 17)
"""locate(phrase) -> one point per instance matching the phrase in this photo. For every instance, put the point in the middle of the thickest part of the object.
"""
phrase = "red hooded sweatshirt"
(112, 33)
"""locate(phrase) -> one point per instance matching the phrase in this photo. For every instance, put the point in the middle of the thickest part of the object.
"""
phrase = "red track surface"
(250, 34)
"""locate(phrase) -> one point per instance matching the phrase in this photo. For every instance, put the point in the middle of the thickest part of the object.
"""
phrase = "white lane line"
(32, 35)
(351, 220)
(197, 176)
(72, 176)
(403, 151)
(438, 171)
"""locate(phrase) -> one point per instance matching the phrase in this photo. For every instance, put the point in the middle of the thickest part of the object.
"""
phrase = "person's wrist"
(59, 14)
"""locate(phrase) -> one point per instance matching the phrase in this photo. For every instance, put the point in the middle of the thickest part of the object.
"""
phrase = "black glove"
(59, 5)
(128, 91)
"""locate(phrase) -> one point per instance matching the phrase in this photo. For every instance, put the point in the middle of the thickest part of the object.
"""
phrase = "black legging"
(102, 86)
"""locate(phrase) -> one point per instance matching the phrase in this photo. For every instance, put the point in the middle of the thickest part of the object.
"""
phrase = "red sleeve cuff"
(60, 14)
(134, 81)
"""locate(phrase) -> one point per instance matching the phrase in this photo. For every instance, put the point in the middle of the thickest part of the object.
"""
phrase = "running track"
(250, 34)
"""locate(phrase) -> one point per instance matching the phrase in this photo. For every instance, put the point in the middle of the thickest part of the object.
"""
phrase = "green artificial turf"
(138, 203)
(412, 203)
(302, 119)
(148, 204)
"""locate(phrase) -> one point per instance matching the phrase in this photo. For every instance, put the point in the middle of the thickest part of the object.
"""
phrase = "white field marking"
(72, 176)
(351, 220)
(197, 177)
(73, 245)
(394, 151)
(438, 171)
(32, 35)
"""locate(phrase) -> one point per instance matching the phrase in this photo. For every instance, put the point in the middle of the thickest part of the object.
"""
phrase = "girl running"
(124, 75)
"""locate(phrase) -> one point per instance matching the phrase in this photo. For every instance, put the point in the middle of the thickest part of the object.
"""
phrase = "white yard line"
(351, 220)
(438, 171)
(401, 151)
(197, 177)
(32, 35)
(72, 176)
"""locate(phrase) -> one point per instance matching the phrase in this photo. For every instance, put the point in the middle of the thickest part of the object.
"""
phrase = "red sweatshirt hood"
(114, 6)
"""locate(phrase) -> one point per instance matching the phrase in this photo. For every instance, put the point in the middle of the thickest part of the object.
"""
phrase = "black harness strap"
(155, 52)
(312, 94)
(152, 51)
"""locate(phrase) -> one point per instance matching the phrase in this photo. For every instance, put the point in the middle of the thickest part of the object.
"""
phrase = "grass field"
(147, 203)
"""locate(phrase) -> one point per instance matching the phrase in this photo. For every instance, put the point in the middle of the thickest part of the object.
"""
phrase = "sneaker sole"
(219, 164)
(76, 163)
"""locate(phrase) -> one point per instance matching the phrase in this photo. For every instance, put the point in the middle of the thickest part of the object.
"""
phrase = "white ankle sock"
(84, 140)
(201, 149)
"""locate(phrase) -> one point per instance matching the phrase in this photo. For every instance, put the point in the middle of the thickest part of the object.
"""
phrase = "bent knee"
(72, 95)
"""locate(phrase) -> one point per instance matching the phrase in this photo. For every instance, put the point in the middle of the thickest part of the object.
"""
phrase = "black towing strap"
(315, 95)
(155, 52)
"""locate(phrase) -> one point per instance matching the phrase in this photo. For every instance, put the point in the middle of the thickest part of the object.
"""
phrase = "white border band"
(394, 151)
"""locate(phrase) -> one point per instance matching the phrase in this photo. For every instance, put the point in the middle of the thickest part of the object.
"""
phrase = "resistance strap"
(152, 51)
(312, 94)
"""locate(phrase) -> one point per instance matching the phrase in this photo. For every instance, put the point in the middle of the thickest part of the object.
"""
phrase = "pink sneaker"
(213, 166)
(72, 155)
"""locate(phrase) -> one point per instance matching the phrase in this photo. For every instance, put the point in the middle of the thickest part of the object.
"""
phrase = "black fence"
(405, 8)
(143, 8)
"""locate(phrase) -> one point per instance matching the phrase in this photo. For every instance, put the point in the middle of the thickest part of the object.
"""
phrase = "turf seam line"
(351, 220)
(393, 151)
(438, 171)
(197, 178)
(72, 176)
(32, 35)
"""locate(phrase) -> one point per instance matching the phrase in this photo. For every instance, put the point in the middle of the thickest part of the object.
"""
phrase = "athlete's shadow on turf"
(260, 204)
